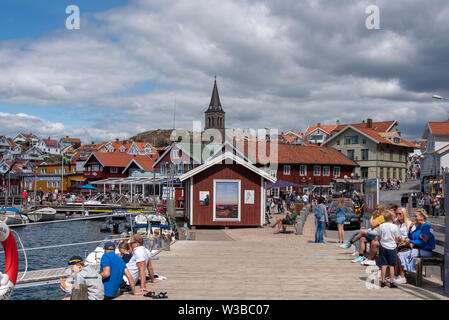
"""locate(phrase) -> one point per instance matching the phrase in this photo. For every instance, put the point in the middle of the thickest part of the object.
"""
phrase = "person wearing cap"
(85, 275)
(112, 270)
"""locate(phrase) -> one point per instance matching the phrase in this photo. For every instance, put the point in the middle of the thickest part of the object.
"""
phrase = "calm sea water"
(48, 235)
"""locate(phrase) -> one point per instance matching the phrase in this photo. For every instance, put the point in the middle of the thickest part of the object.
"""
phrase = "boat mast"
(35, 182)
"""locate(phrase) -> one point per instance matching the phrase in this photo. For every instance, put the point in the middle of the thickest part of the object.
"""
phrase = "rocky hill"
(158, 138)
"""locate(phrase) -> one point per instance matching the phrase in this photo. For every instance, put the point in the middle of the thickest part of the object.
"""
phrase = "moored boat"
(13, 216)
(43, 214)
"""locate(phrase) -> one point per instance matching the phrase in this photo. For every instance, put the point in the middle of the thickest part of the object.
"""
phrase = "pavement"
(255, 264)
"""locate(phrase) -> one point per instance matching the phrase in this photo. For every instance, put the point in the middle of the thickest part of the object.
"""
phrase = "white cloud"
(285, 64)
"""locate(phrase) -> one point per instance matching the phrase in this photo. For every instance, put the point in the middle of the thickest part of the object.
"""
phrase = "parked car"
(351, 218)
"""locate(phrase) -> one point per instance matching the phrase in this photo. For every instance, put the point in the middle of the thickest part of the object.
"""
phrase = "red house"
(225, 191)
(311, 165)
(101, 165)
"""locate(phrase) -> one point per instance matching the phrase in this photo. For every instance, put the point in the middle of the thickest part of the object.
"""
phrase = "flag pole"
(62, 179)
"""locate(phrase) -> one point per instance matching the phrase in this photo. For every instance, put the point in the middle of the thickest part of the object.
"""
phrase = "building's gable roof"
(50, 143)
(327, 129)
(120, 160)
(439, 128)
(219, 160)
(70, 140)
(381, 126)
(193, 150)
(374, 135)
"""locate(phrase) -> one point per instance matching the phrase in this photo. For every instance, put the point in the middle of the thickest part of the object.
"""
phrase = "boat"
(115, 227)
(13, 216)
(43, 214)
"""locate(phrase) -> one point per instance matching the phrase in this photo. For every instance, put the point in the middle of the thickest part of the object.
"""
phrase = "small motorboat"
(114, 227)
(43, 214)
(13, 216)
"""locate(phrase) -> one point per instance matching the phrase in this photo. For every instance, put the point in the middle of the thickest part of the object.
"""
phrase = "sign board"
(249, 196)
(371, 188)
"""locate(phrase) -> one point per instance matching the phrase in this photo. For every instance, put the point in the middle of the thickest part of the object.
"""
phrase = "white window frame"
(180, 168)
(239, 218)
(175, 154)
(326, 171)
(315, 171)
(286, 169)
(303, 167)
(275, 192)
(335, 171)
(113, 170)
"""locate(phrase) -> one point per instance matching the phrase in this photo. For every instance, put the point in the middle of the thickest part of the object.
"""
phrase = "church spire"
(214, 115)
(215, 104)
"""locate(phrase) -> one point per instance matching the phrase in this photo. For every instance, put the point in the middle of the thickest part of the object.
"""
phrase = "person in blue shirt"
(340, 220)
(421, 240)
(112, 270)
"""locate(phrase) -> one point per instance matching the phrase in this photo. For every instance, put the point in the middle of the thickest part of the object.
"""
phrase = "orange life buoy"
(9, 278)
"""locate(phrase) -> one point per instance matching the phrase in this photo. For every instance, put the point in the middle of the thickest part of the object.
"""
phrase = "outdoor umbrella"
(88, 186)
(283, 184)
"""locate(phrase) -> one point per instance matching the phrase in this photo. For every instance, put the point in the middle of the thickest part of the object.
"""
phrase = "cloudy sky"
(283, 64)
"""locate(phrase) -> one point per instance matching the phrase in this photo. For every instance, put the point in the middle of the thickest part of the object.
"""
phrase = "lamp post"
(446, 233)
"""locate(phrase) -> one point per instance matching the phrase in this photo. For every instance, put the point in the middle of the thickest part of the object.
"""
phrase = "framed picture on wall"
(204, 198)
(249, 196)
(227, 202)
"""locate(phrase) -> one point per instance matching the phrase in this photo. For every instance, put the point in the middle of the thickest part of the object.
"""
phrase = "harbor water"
(52, 234)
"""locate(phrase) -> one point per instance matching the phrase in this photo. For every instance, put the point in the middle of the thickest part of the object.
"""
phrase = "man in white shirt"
(140, 262)
(305, 198)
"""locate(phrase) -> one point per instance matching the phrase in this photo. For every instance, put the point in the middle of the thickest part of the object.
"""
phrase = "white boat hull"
(44, 214)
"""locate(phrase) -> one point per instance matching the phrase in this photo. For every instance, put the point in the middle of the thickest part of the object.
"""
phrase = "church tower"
(214, 115)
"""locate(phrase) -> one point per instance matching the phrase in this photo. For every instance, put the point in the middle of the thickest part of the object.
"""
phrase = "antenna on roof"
(174, 115)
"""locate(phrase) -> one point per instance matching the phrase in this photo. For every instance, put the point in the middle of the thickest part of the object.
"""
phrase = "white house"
(49, 146)
(436, 158)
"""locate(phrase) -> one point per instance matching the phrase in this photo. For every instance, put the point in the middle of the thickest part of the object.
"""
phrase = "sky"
(138, 65)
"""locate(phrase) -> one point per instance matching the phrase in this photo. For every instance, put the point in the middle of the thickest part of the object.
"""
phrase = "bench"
(437, 259)
(284, 226)
(298, 224)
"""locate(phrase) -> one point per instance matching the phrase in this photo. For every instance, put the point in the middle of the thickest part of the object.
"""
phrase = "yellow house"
(51, 178)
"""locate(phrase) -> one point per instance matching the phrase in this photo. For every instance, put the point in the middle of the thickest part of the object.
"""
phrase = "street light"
(439, 97)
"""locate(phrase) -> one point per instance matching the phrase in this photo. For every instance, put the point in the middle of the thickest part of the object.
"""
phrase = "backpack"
(318, 212)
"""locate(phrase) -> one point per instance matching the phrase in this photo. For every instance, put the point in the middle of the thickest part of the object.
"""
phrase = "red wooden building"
(225, 191)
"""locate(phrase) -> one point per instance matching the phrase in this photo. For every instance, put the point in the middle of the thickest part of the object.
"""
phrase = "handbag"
(404, 246)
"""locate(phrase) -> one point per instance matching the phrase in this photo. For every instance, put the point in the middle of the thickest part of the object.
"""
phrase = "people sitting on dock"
(287, 219)
(84, 275)
(369, 235)
(403, 222)
(421, 241)
(140, 262)
(112, 270)
(125, 251)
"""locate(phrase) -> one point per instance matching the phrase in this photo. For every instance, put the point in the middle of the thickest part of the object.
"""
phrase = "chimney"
(92, 142)
(116, 139)
(318, 124)
(370, 123)
(338, 122)
(399, 133)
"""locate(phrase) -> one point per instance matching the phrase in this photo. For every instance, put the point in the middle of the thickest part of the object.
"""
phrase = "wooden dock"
(255, 264)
